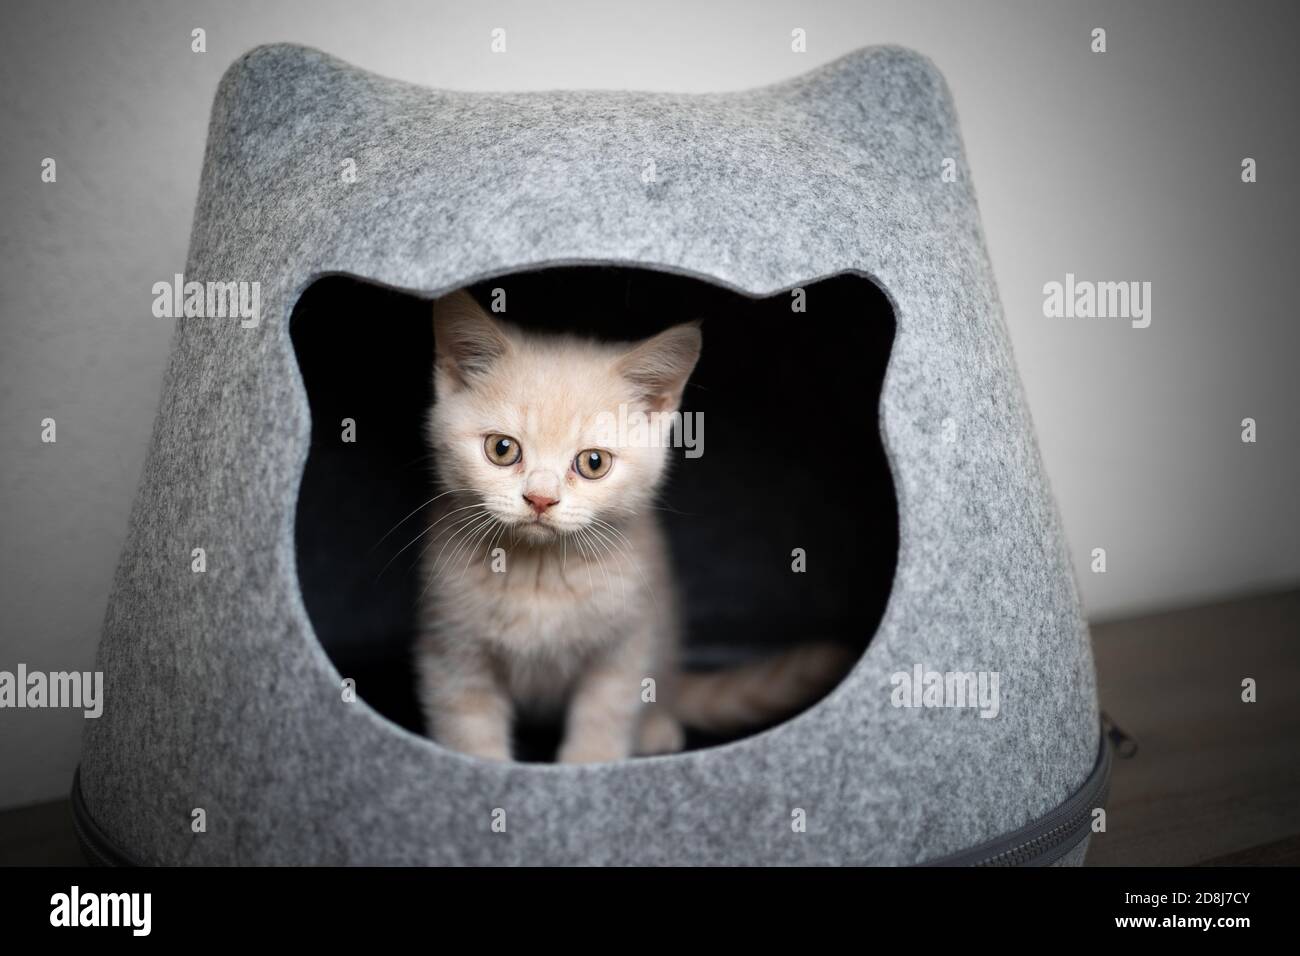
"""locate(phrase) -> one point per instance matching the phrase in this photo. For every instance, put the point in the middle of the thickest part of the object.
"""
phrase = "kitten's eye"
(502, 449)
(593, 463)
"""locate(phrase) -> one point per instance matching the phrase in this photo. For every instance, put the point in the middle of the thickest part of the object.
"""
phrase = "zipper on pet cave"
(1051, 836)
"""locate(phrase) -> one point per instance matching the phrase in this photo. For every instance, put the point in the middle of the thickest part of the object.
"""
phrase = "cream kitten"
(548, 582)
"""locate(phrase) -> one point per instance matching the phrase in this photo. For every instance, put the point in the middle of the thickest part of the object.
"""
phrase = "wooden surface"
(1215, 781)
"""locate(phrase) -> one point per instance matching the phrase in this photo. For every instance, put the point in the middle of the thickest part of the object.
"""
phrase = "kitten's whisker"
(450, 529)
(606, 524)
(604, 535)
(413, 513)
(654, 598)
(577, 543)
(418, 537)
(610, 529)
(459, 527)
(454, 543)
(433, 574)
(468, 539)
(673, 511)
(478, 539)
(465, 536)
(609, 588)
(492, 545)
(601, 539)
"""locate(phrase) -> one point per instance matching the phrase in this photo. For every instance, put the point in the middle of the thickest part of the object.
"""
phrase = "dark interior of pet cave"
(792, 459)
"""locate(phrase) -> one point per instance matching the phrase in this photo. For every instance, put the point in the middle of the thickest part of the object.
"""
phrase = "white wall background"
(1116, 166)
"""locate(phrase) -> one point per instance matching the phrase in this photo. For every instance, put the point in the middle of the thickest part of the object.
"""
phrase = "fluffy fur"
(550, 592)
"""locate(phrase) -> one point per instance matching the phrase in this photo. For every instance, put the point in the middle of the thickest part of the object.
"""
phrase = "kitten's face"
(526, 425)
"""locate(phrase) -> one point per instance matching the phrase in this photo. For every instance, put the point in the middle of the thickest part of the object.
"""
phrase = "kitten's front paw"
(659, 733)
(481, 749)
(492, 753)
(591, 751)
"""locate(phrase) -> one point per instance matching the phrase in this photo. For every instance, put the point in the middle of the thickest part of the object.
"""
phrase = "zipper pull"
(1125, 746)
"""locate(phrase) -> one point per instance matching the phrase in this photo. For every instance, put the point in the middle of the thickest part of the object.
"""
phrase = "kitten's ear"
(466, 339)
(659, 367)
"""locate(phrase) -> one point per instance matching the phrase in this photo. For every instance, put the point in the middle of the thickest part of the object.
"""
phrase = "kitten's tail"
(734, 699)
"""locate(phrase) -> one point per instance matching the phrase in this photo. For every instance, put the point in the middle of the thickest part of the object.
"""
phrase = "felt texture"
(218, 695)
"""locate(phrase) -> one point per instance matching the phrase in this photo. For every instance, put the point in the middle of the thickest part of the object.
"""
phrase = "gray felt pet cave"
(883, 430)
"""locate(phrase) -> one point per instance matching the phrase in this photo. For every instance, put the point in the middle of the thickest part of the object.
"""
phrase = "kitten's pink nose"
(539, 502)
